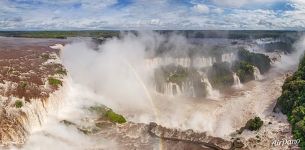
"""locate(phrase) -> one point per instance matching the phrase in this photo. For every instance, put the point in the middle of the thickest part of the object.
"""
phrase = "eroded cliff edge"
(32, 84)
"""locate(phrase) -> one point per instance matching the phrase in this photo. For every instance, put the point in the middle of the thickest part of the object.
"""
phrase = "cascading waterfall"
(257, 73)
(197, 62)
(237, 83)
(211, 93)
(163, 61)
(21, 122)
(228, 57)
(172, 89)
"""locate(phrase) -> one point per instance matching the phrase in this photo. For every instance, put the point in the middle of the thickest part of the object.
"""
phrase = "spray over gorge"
(148, 90)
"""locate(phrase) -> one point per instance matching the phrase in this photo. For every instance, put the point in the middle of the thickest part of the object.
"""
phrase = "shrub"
(244, 71)
(254, 124)
(107, 113)
(54, 82)
(61, 71)
(114, 117)
(18, 104)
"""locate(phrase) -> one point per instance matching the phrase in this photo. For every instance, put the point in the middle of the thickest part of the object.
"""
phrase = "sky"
(152, 14)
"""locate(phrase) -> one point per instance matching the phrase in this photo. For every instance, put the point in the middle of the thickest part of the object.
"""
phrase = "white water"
(197, 62)
(216, 117)
(228, 57)
(257, 74)
(163, 61)
(172, 89)
(200, 62)
(211, 93)
(237, 83)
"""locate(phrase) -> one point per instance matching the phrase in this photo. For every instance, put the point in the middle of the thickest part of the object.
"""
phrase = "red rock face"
(23, 64)
(26, 66)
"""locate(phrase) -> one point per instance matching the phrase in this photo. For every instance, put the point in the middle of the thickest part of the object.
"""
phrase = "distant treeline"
(59, 34)
(231, 34)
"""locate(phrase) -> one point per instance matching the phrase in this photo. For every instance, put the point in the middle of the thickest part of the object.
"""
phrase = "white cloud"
(240, 3)
(97, 4)
(217, 10)
(201, 8)
(143, 14)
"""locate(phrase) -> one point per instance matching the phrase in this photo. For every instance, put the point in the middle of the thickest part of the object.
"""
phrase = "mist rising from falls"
(114, 84)
(257, 73)
(237, 83)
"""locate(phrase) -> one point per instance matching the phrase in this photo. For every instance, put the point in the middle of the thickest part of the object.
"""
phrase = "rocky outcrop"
(189, 136)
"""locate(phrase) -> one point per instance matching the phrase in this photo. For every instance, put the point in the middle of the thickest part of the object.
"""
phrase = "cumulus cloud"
(240, 3)
(201, 8)
(142, 14)
(217, 10)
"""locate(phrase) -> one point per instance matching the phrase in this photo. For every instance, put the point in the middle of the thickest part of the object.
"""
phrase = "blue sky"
(152, 14)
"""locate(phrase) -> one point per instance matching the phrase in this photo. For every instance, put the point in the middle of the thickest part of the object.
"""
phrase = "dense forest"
(59, 34)
(233, 34)
(292, 102)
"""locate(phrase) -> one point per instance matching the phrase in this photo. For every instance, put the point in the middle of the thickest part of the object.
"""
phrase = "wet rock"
(238, 144)
(189, 136)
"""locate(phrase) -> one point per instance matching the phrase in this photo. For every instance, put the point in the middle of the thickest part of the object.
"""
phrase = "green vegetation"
(292, 102)
(107, 113)
(18, 104)
(171, 73)
(261, 61)
(254, 124)
(61, 71)
(220, 75)
(114, 117)
(59, 34)
(234, 34)
(54, 82)
(179, 75)
(244, 71)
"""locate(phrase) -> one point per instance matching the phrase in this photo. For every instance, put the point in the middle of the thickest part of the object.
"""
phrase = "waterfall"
(18, 123)
(237, 83)
(211, 93)
(163, 61)
(172, 89)
(257, 73)
(199, 62)
(227, 57)
(57, 46)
